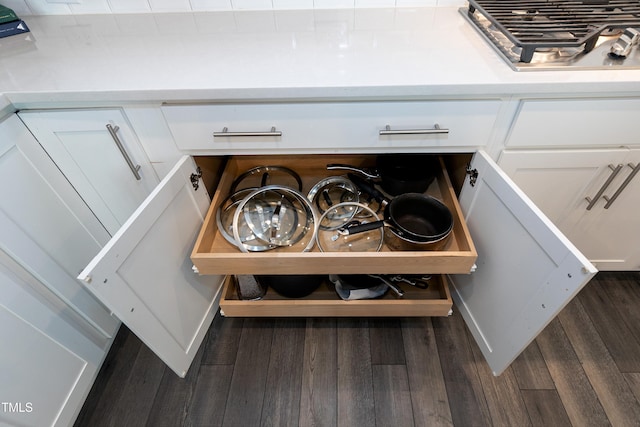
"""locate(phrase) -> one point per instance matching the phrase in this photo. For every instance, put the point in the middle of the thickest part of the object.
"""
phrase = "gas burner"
(557, 33)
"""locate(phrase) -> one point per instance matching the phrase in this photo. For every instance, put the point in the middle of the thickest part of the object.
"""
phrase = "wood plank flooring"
(583, 370)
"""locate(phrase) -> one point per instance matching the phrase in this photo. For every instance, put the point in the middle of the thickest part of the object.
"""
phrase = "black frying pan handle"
(361, 228)
(367, 187)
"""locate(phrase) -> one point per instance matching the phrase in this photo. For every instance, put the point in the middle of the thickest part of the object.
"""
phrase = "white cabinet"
(50, 355)
(144, 273)
(328, 126)
(563, 151)
(576, 123)
(122, 276)
(54, 333)
(560, 181)
(45, 225)
(100, 155)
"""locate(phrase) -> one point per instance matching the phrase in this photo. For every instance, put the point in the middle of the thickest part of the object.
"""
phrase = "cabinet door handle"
(634, 171)
(436, 130)
(616, 170)
(134, 168)
(225, 133)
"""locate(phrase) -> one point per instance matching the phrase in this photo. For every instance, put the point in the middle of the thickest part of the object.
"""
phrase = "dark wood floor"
(583, 370)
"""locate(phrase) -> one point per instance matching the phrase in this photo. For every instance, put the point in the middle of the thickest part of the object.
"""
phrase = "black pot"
(406, 173)
(416, 221)
(399, 173)
(293, 285)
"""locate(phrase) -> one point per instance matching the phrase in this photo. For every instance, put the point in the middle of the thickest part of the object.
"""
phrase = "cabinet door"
(144, 274)
(45, 224)
(527, 271)
(559, 181)
(608, 233)
(49, 361)
(87, 153)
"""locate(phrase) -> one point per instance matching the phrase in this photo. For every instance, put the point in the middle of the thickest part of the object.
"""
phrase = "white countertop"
(355, 53)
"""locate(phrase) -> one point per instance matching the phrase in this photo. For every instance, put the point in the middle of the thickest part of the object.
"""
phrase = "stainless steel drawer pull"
(616, 170)
(435, 131)
(225, 133)
(634, 171)
(134, 168)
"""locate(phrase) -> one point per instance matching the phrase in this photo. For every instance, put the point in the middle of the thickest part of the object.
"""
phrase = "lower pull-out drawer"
(212, 254)
(324, 302)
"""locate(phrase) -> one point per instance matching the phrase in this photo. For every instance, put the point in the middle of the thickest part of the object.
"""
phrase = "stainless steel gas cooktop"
(560, 34)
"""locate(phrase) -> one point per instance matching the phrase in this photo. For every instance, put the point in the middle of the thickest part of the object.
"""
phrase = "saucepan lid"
(329, 239)
(276, 215)
(261, 176)
(224, 220)
(331, 191)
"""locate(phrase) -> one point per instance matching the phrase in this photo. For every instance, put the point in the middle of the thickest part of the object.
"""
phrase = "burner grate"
(533, 25)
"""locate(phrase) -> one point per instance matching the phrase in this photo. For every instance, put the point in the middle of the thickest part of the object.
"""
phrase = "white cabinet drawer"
(327, 126)
(577, 122)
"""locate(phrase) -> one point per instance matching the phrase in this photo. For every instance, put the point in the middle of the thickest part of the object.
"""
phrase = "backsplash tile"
(375, 3)
(77, 7)
(211, 5)
(293, 4)
(170, 5)
(42, 7)
(129, 6)
(252, 4)
(19, 6)
(333, 4)
(93, 6)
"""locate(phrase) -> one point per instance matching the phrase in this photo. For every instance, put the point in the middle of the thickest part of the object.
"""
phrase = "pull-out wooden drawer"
(212, 254)
(324, 302)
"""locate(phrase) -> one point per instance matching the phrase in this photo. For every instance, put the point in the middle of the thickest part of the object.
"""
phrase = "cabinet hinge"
(473, 174)
(195, 178)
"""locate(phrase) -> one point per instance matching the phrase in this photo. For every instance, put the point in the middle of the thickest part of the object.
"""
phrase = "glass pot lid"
(329, 238)
(224, 220)
(331, 191)
(261, 176)
(276, 215)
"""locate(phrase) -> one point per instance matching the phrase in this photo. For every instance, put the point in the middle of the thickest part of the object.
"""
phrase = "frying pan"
(398, 173)
(413, 218)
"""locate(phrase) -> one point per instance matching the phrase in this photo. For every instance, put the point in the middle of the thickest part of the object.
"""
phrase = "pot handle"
(365, 172)
(361, 228)
(367, 187)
